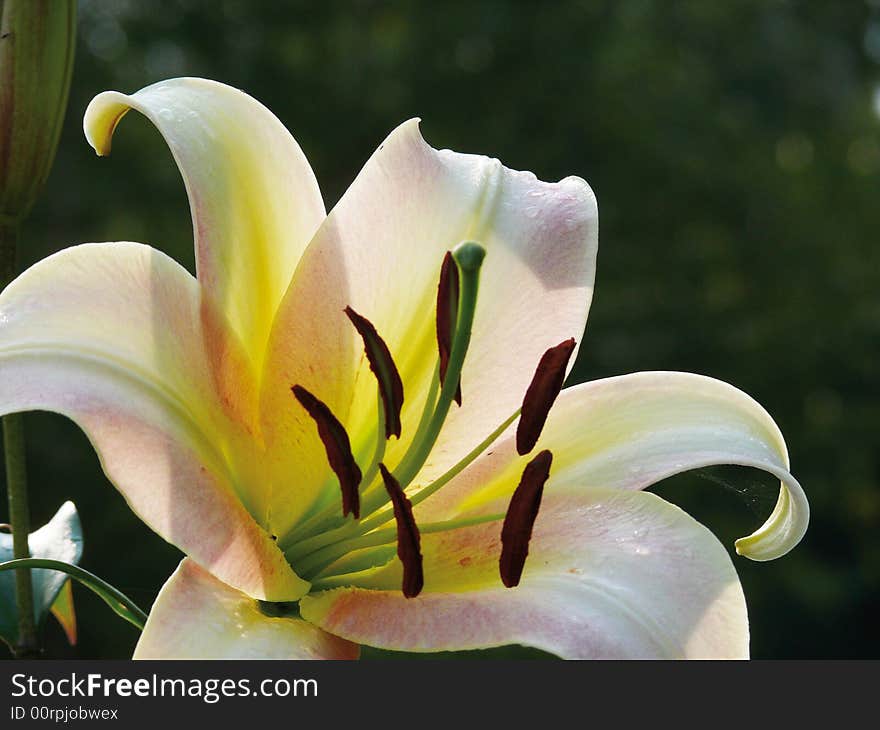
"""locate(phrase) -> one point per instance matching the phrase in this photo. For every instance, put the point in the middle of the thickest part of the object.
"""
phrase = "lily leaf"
(59, 539)
(121, 604)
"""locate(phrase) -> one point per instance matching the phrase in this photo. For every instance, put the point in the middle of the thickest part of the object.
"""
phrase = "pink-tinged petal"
(380, 251)
(196, 616)
(629, 432)
(610, 574)
(118, 338)
(254, 199)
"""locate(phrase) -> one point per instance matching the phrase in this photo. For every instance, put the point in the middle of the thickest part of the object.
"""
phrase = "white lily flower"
(183, 386)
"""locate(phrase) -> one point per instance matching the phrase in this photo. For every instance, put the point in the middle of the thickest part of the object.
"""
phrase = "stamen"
(338, 448)
(408, 543)
(383, 367)
(447, 312)
(541, 394)
(520, 518)
(328, 518)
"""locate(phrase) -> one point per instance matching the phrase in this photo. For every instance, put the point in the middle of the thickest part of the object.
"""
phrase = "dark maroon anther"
(338, 448)
(447, 313)
(408, 540)
(383, 367)
(541, 394)
(520, 518)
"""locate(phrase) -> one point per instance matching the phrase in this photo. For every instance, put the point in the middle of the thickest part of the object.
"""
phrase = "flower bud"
(37, 39)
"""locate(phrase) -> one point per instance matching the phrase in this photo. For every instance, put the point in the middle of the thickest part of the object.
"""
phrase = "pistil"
(469, 258)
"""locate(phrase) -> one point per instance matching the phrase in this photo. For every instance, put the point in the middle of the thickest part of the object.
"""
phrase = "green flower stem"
(16, 480)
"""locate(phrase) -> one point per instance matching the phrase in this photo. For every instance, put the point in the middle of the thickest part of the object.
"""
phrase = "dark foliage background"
(735, 151)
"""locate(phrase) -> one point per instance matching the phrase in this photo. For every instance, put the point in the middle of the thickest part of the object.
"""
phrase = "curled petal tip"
(102, 116)
(784, 528)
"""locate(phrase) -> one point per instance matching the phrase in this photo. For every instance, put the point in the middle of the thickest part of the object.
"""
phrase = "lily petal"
(254, 199)
(629, 432)
(64, 612)
(196, 616)
(118, 338)
(380, 251)
(610, 574)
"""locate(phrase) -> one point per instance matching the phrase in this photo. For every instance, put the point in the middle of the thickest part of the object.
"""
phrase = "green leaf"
(59, 539)
(121, 604)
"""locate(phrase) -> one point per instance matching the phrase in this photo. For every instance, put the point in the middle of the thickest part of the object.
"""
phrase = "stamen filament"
(359, 561)
(315, 563)
(378, 453)
(298, 551)
(310, 545)
(380, 518)
(376, 496)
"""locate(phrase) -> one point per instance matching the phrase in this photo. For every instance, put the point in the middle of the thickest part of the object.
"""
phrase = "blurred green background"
(735, 151)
